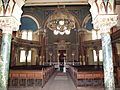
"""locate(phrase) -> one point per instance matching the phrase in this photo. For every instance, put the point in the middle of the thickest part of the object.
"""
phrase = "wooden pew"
(83, 77)
(26, 78)
(29, 77)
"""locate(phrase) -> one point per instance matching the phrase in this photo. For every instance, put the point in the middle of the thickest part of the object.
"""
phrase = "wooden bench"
(90, 78)
(86, 77)
(26, 78)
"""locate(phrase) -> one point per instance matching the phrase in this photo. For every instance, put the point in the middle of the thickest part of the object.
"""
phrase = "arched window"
(22, 56)
(26, 34)
(29, 35)
(96, 35)
(100, 56)
(29, 56)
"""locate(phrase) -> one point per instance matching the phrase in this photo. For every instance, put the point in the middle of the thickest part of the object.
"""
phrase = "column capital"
(104, 22)
(9, 24)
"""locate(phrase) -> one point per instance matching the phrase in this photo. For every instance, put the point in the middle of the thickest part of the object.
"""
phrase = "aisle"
(60, 81)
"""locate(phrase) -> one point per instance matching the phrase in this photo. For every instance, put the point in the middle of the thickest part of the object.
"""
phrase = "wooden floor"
(59, 81)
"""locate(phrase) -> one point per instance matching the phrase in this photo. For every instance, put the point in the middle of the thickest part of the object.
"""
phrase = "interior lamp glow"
(67, 32)
(56, 32)
(58, 27)
(61, 22)
(65, 27)
(61, 33)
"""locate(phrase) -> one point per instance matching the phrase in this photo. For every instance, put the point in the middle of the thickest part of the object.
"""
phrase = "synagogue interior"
(60, 45)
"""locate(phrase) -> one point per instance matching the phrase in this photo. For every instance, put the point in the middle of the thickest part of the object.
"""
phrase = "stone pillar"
(10, 14)
(12, 54)
(7, 24)
(108, 62)
(104, 23)
(104, 19)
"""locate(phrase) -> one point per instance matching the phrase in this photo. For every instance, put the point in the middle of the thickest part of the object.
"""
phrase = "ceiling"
(58, 2)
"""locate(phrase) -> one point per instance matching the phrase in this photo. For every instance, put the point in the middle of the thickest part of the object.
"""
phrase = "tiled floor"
(59, 81)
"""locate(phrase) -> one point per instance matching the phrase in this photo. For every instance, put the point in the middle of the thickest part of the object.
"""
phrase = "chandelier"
(61, 22)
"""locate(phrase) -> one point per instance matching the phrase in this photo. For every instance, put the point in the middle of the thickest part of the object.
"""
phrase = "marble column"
(10, 14)
(105, 23)
(103, 19)
(7, 24)
(12, 54)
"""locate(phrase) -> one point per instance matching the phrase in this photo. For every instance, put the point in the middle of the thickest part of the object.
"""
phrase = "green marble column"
(9, 21)
(4, 60)
(103, 19)
(107, 62)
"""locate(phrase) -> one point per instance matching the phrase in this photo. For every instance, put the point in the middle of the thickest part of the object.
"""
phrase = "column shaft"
(4, 60)
(12, 55)
(107, 62)
(104, 18)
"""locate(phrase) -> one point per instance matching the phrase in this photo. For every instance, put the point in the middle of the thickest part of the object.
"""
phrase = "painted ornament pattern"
(6, 7)
(105, 6)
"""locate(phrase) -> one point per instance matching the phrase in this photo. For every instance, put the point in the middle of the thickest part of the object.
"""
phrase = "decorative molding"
(11, 8)
(9, 24)
(105, 22)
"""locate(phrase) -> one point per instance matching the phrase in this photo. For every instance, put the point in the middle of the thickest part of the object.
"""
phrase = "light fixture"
(56, 32)
(61, 21)
(61, 33)
(67, 32)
